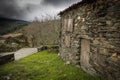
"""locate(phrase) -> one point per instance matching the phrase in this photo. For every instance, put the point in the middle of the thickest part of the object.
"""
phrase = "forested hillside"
(10, 25)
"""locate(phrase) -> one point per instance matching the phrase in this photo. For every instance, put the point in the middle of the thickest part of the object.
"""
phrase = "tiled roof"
(74, 6)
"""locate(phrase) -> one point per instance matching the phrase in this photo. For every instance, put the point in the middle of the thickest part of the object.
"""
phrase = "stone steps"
(24, 52)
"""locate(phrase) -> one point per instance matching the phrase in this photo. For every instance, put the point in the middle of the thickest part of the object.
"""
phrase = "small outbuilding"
(90, 37)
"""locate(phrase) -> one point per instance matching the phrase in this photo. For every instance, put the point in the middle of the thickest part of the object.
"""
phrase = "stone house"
(90, 37)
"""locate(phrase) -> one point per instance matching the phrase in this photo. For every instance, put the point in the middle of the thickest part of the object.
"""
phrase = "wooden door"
(85, 56)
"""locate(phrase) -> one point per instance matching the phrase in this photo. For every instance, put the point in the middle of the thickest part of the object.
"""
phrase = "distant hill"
(11, 25)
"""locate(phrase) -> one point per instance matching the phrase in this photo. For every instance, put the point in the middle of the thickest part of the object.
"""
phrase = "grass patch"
(42, 66)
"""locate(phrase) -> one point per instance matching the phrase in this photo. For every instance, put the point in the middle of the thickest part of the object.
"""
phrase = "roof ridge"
(75, 5)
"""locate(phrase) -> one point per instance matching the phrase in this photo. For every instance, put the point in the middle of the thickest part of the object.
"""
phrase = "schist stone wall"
(90, 37)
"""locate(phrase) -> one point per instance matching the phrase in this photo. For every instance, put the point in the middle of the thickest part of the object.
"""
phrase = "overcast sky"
(31, 9)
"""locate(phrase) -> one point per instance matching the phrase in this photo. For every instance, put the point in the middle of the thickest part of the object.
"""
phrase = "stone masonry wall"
(98, 22)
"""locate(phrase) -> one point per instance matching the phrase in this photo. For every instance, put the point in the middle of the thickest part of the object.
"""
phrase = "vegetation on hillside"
(36, 33)
(12, 42)
(42, 66)
(42, 32)
(11, 25)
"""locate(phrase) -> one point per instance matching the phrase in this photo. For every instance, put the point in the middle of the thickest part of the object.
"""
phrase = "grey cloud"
(29, 9)
(60, 2)
(8, 8)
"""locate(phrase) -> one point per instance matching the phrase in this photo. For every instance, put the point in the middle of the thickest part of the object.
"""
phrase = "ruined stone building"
(90, 37)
